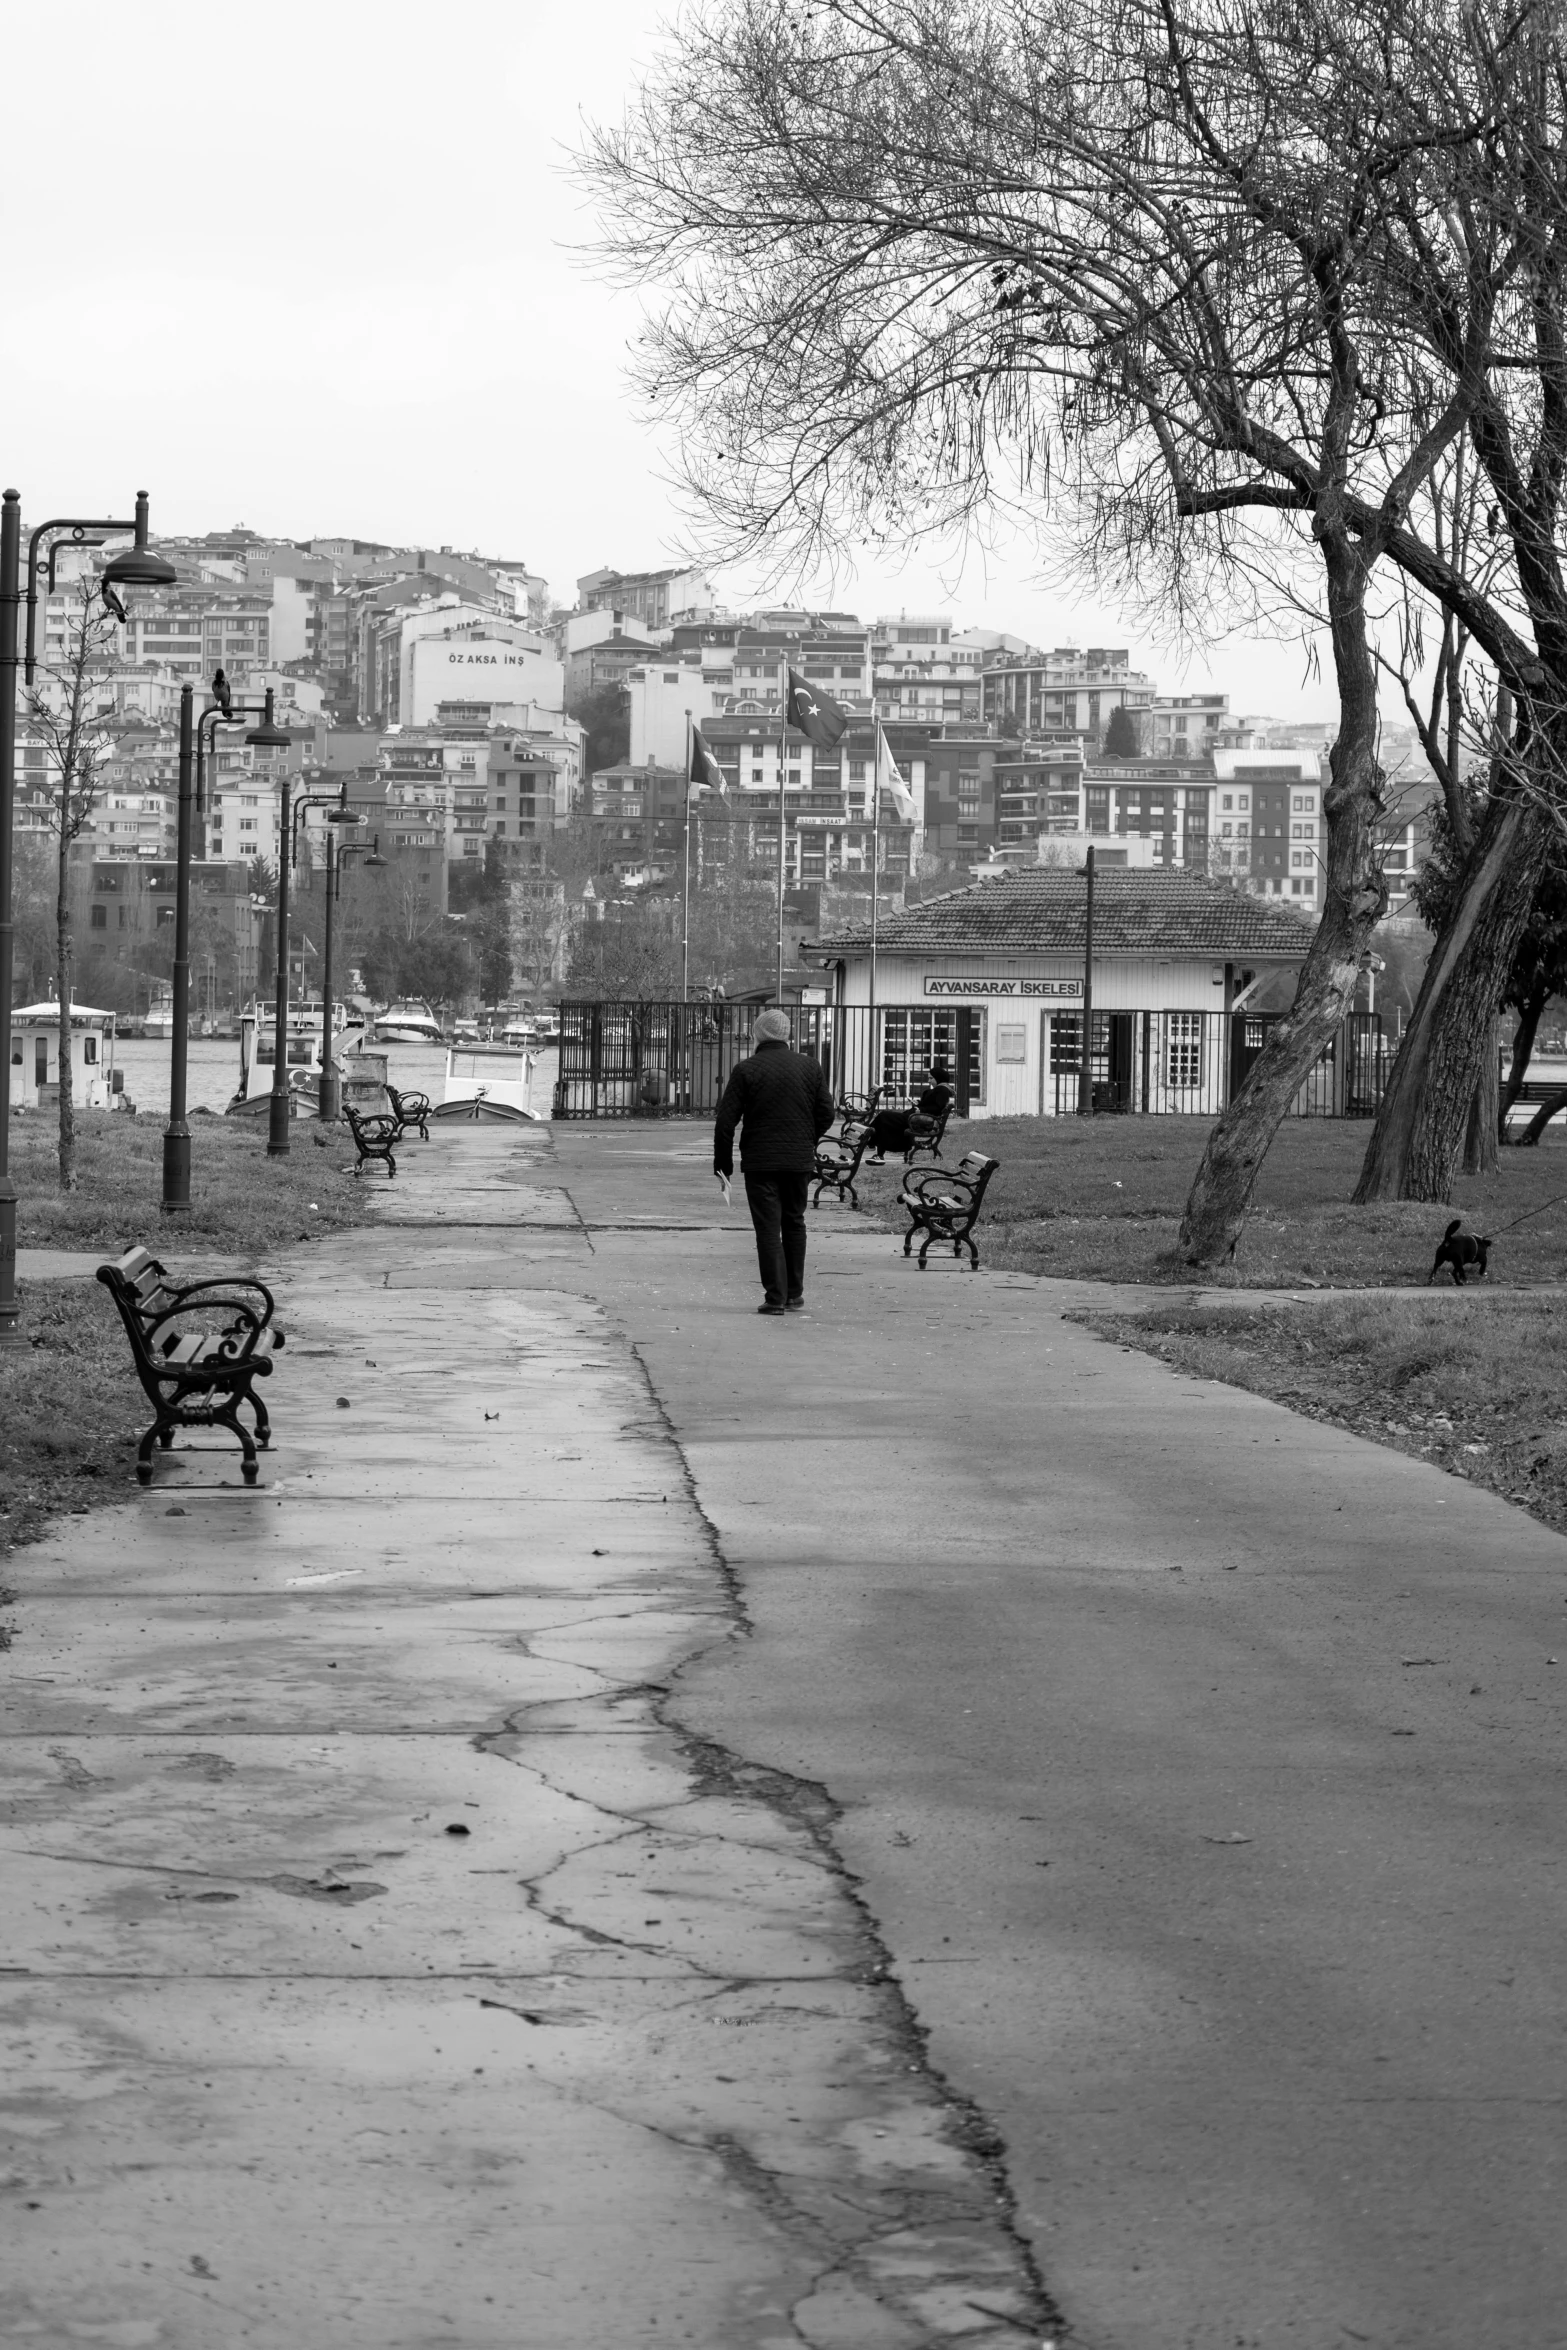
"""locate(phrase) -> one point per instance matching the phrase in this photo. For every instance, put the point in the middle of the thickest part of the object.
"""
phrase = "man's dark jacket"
(784, 1103)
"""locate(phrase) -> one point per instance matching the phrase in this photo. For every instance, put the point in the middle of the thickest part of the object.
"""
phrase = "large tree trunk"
(1485, 1111)
(64, 979)
(1419, 1131)
(1524, 1035)
(1354, 902)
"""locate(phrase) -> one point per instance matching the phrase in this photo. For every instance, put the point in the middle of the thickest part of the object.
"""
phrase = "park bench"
(195, 1377)
(838, 1163)
(411, 1111)
(373, 1139)
(1545, 1099)
(944, 1204)
(856, 1110)
(926, 1133)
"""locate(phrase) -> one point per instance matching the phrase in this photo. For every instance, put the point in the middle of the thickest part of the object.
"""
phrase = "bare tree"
(1085, 261)
(63, 711)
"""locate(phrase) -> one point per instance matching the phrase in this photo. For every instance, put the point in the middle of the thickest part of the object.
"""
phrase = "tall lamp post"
(137, 567)
(198, 736)
(338, 853)
(269, 736)
(329, 1097)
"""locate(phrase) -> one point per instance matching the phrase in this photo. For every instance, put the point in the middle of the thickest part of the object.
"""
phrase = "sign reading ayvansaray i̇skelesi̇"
(1004, 987)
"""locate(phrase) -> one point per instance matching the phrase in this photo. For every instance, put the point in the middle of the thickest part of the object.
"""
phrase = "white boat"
(159, 1022)
(547, 1027)
(488, 1081)
(35, 1057)
(301, 1058)
(409, 1024)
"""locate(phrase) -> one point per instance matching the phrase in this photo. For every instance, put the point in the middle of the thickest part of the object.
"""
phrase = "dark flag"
(705, 770)
(816, 714)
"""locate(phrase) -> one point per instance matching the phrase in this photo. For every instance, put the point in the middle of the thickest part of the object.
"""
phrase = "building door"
(1119, 1085)
(40, 1060)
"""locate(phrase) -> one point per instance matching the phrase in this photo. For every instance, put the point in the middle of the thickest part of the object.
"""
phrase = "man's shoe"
(794, 1305)
(770, 1309)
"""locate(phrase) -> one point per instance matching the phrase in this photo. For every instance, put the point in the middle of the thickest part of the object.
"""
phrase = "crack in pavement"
(666, 1894)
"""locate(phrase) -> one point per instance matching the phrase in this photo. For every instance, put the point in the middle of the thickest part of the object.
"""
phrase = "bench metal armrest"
(224, 1282)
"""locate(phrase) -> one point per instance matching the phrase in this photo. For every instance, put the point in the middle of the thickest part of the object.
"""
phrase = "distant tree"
(606, 717)
(63, 711)
(481, 895)
(631, 954)
(438, 965)
(1121, 737)
(32, 905)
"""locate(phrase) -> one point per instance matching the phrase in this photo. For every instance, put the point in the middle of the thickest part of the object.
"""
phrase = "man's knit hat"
(772, 1027)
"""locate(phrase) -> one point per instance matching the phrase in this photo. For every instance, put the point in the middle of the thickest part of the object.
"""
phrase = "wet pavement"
(950, 1803)
(381, 1965)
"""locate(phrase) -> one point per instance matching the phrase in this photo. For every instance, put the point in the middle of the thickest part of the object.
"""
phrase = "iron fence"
(660, 1059)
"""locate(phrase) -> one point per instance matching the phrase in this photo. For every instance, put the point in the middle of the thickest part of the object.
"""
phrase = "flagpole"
(875, 890)
(783, 757)
(685, 883)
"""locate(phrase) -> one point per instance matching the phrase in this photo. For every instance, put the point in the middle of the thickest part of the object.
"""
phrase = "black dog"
(1460, 1249)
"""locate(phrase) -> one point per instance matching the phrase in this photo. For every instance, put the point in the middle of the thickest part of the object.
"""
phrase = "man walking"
(781, 1102)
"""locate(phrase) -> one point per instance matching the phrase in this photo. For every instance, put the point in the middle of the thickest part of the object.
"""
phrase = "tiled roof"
(1041, 912)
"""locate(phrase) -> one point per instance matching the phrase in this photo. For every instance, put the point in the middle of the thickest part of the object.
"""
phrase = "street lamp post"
(329, 1096)
(196, 736)
(337, 854)
(137, 567)
(269, 736)
(176, 1135)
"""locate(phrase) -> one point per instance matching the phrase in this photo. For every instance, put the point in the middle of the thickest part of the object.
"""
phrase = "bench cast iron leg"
(144, 1453)
(228, 1415)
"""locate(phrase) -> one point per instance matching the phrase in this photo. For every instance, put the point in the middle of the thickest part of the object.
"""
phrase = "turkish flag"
(816, 714)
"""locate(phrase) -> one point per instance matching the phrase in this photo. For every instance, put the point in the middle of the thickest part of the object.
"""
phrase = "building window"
(1183, 1048)
(100, 917)
(913, 1041)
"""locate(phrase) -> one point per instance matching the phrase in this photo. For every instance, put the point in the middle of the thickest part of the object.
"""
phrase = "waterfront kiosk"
(990, 981)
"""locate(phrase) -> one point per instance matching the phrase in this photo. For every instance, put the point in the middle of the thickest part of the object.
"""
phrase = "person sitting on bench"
(894, 1130)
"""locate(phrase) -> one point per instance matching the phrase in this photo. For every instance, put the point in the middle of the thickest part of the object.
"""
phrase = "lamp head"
(268, 736)
(137, 567)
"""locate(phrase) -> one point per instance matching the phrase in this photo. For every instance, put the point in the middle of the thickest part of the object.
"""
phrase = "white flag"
(889, 780)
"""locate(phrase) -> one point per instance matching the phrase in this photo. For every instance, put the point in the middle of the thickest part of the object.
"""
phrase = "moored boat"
(408, 1024)
(488, 1082)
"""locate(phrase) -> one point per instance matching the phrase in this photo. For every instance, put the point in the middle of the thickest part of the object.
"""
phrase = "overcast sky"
(309, 267)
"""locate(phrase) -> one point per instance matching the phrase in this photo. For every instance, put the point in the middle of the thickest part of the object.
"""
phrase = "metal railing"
(662, 1059)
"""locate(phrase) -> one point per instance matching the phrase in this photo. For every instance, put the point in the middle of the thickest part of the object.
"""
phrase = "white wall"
(478, 664)
(660, 698)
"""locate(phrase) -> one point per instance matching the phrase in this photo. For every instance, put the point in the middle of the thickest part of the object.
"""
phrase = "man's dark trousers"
(777, 1204)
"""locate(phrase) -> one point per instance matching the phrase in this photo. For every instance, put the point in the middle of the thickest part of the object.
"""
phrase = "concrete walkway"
(1201, 1766)
(1087, 1786)
(379, 1968)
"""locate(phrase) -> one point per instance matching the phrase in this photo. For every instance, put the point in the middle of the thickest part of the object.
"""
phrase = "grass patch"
(1476, 1386)
(70, 1409)
(70, 1404)
(241, 1201)
(1100, 1199)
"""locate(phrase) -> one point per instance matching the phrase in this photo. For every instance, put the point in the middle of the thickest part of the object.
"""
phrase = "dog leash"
(1528, 1212)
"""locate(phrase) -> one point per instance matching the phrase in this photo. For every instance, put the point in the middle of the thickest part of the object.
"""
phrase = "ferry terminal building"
(989, 980)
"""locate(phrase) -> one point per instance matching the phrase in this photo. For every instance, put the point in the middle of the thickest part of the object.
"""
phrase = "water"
(212, 1072)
